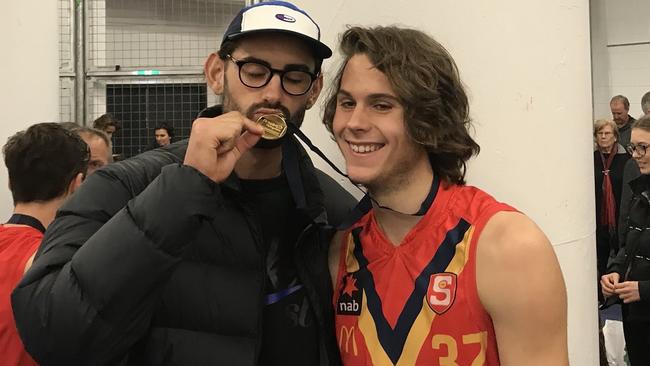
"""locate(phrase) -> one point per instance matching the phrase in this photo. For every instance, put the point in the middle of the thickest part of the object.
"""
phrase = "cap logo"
(285, 18)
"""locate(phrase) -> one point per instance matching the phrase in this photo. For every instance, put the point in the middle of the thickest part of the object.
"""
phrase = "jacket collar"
(620, 149)
(639, 184)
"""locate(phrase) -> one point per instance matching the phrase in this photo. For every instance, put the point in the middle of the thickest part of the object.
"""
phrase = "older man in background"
(620, 107)
(100, 147)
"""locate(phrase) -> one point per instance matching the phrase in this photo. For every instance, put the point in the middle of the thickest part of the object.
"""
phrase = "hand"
(608, 283)
(628, 291)
(217, 143)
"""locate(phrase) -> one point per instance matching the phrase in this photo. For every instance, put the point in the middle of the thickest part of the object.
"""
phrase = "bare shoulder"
(520, 284)
(511, 236)
(334, 255)
(514, 249)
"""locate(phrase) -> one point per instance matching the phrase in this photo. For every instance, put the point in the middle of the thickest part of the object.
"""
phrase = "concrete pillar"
(526, 65)
(29, 69)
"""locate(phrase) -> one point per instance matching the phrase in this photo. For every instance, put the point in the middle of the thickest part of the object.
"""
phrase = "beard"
(295, 119)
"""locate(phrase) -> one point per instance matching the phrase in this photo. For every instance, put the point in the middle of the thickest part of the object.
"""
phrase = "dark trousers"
(637, 342)
(606, 244)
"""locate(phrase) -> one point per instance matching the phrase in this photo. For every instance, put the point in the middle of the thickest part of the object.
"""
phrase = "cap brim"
(321, 50)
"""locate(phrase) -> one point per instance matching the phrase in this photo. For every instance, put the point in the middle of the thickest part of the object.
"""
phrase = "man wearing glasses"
(219, 257)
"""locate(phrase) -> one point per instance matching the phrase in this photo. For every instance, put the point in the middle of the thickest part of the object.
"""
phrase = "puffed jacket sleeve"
(90, 294)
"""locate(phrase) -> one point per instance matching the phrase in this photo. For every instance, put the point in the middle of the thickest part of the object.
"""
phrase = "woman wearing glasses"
(609, 160)
(629, 274)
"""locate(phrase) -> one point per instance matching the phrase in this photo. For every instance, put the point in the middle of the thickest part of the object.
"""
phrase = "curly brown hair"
(425, 77)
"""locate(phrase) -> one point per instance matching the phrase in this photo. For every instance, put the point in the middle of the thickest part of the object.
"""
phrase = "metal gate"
(141, 61)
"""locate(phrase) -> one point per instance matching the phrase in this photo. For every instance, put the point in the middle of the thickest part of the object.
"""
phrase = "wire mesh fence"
(66, 99)
(143, 104)
(66, 30)
(66, 61)
(144, 63)
(163, 34)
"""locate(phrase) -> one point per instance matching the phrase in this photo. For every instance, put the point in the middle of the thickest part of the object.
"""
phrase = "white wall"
(28, 73)
(527, 67)
(147, 34)
(623, 67)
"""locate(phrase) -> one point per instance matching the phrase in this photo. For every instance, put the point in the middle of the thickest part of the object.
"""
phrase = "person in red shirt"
(46, 163)
(429, 270)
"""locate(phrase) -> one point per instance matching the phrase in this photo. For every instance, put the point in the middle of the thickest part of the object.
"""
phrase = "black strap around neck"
(426, 204)
(20, 219)
(292, 171)
(424, 207)
(296, 131)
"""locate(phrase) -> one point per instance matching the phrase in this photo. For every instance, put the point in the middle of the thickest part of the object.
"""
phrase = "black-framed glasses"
(639, 148)
(256, 75)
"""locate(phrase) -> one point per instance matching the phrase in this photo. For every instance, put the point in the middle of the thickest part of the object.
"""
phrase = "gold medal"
(274, 126)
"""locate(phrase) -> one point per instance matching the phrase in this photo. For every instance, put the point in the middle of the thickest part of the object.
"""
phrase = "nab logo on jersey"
(441, 292)
(350, 297)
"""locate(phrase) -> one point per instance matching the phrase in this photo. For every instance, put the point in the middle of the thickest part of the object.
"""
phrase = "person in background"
(620, 108)
(609, 160)
(628, 275)
(98, 142)
(46, 164)
(631, 171)
(108, 124)
(207, 251)
(645, 103)
(430, 271)
(100, 147)
(164, 135)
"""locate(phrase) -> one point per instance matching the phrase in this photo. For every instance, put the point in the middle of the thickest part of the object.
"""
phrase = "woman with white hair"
(609, 161)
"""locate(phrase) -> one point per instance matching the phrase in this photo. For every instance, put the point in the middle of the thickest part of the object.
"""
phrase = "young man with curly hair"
(430, 271)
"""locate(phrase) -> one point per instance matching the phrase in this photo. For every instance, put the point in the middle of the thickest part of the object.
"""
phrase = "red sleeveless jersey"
(17, 244)
(417, 303)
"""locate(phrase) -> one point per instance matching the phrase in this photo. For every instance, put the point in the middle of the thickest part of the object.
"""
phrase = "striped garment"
(417, 303)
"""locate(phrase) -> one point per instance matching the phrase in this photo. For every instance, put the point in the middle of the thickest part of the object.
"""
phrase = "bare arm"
(29, 263)
(520, 285)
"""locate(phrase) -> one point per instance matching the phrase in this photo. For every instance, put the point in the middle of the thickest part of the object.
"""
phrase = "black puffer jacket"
(634, 258)
(174, 278)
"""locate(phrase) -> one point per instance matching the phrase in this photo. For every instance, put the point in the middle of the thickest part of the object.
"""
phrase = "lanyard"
(277, 296)
(424, 207)
(26, 220)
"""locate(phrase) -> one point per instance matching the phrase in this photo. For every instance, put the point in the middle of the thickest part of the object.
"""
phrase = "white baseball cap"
(277, 16)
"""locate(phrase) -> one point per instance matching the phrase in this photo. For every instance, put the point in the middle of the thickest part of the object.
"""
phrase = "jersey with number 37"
(417, 303)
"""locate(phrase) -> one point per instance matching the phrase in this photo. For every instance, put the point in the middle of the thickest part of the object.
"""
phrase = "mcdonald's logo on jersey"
(346, 337)
(441, 292)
